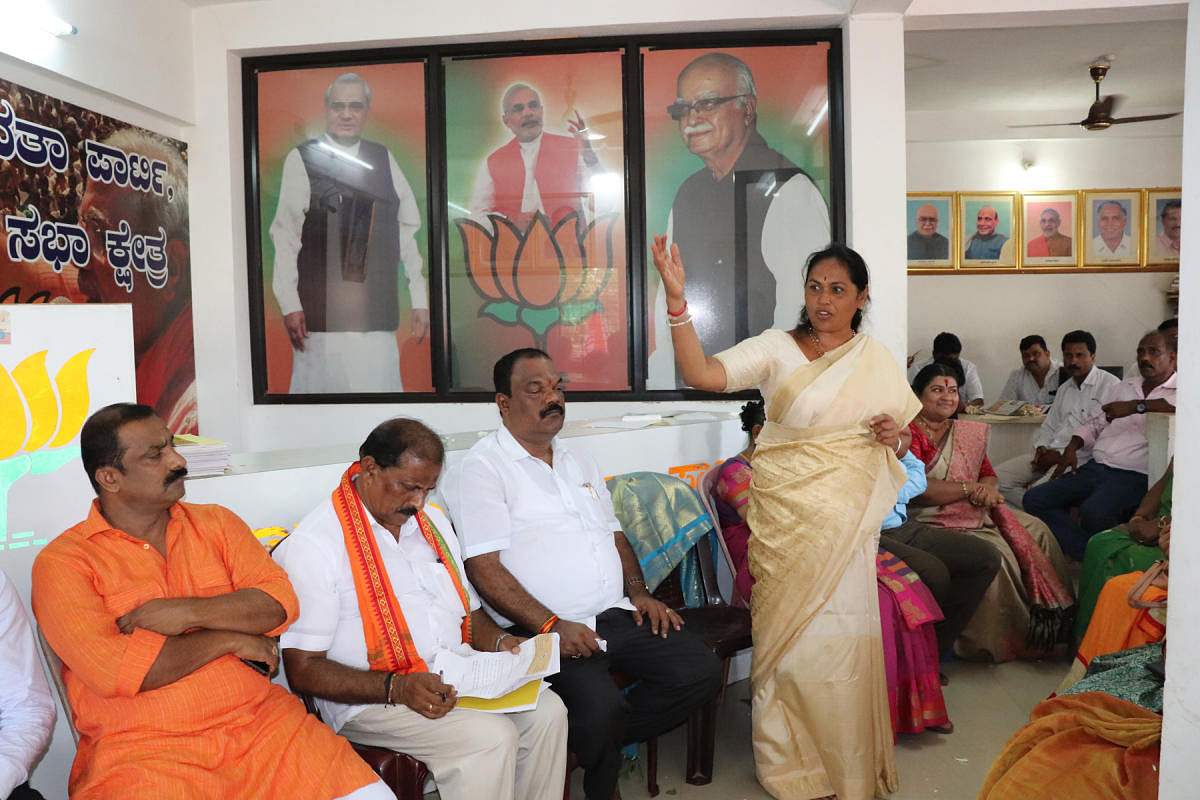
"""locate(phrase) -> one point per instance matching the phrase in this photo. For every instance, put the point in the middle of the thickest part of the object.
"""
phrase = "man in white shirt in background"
(1112, 241)
(1075, 400)
(947, 347)
(346, 220)
(26, 708)
(545, 550)
(1037, 380)
(391, 693)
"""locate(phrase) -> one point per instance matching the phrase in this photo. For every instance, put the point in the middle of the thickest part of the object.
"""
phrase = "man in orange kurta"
(155, 607)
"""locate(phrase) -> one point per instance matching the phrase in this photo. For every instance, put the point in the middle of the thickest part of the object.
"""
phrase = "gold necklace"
(812, 334)
(933, 434)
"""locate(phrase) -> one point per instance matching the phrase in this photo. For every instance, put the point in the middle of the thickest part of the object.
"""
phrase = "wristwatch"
(1140, 407)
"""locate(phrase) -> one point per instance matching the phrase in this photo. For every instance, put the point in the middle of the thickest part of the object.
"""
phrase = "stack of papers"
(500, 682)
(204, 456)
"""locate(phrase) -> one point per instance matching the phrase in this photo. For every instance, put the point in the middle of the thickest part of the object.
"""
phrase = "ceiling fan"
(1100, 115)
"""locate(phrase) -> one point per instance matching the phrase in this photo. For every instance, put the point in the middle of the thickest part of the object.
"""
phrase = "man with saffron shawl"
(155, 607)
(384, 602)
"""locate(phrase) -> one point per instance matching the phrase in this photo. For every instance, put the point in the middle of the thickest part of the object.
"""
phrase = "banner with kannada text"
(95, 210)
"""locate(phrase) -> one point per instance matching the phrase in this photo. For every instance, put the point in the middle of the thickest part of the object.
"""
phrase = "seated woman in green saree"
(826, 473)
(1131, 547)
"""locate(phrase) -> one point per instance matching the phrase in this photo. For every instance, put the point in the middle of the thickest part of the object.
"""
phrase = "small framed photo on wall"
(1162, 225)
(1112, 227)
(989, 226)
(931, 229)
(1049, 221)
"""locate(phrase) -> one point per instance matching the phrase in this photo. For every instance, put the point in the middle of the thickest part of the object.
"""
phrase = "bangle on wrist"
(548, 624)
(499, 639)
(899, 444)
(387, 689)
(678, 313)
(966, 492)
(676, 322)
(636, 582)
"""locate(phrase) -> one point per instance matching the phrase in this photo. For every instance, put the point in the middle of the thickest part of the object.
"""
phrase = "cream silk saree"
(822, 485)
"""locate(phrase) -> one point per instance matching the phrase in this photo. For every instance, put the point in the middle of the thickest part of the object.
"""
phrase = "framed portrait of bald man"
(990, 230)
(1112, 227)
(1162, 225)
(931, 230)
(1049, 223)
(741, 173)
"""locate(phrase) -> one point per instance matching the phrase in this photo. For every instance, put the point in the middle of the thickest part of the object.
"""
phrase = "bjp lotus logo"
(542, 276)
(33, 443)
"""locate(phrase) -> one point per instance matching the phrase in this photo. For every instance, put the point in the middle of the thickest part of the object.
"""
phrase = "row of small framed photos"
(1093, 229)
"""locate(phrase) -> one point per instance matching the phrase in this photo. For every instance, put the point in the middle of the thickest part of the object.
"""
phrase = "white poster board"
(58, 364)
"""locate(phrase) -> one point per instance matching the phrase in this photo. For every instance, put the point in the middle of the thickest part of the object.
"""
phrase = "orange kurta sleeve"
(249, 563)
(80, 627)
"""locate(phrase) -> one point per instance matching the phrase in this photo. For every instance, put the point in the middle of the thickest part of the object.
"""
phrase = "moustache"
(552, 408)
(1074, 368)
(408, 512)
(174, 475)
(701, 128)
(1145, 365)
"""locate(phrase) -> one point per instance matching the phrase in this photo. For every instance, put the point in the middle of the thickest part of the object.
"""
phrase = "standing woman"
(825, 475)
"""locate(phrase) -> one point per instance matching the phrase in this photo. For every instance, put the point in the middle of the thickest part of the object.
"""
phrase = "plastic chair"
(56, 667)
(402, 773)
(708, 487)
(724, 629)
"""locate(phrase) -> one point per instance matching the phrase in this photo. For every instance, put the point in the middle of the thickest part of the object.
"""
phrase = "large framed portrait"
(1050, 221)
(535, 198)
(741, 175)
(931, 229)
(1162, 225)
(339, 231)
(989, 227)
(1112, 227)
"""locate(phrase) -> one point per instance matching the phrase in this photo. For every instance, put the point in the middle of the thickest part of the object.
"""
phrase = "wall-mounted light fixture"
(23, 14)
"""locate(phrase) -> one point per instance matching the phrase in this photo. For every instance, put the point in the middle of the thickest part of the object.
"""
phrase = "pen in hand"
(442, 678)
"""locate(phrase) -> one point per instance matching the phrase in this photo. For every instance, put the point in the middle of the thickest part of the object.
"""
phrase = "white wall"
(990, 313)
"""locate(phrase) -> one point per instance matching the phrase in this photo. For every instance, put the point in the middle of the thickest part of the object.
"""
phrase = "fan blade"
(1047, 124)
(1106, 105)
(1146, 118)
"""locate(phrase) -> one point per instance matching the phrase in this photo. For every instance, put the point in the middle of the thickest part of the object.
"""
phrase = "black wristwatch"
(1140, 407)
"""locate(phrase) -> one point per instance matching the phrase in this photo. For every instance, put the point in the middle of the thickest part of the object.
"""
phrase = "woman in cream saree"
(825, 476)
(822, 485)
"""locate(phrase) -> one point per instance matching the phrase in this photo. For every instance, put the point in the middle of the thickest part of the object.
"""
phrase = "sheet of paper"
(491, 675)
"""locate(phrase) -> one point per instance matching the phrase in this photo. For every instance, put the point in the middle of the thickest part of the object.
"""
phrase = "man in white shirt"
(947, 347)
(1113, 241)
(535, 171)
(397, 691)
(346, 219)
(1109, 487)
(1075, 400)
(1037, 380)
(26, 708)
(545, 550)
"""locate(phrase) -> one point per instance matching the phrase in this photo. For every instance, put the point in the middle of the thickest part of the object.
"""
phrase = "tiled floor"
(987, 704)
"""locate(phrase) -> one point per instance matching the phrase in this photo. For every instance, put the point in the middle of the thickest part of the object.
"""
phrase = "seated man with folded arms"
(383, 601)
(545, 550)
(1108, 488)
(158, 609)
(1076, 398)
(26, 708)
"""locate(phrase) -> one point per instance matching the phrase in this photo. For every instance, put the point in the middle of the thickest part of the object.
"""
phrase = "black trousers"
(956, 567)
(24, 792)
(675, 676)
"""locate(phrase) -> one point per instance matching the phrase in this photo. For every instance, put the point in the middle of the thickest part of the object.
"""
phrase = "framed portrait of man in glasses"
(931, 230)
(338, 278)
(741, 174)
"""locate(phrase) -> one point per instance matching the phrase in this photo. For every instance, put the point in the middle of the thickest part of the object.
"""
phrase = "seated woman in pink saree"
(1026, 609)
(825, 475)
(907, 610)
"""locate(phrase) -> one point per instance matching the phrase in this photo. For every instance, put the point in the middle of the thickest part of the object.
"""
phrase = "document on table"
(489, 676)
